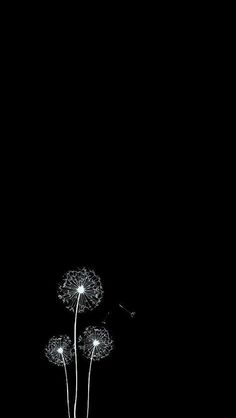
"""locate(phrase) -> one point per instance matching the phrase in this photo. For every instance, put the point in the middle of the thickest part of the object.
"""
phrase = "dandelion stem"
(89, 375)
(67, 387)
(76, 361)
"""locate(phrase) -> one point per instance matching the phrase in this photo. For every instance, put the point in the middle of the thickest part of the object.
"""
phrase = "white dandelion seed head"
(59, 348)
(84, 284)
(95, 340)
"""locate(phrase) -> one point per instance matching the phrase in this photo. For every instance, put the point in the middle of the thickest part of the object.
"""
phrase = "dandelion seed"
(59, 351)
(96, 344)
(132, 314)
(80, 290)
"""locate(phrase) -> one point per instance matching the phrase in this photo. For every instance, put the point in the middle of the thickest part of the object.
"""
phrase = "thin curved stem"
(76, 361)
(89, 375)
(67, 387)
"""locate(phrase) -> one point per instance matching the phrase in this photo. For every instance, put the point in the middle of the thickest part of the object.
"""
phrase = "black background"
(100, 173)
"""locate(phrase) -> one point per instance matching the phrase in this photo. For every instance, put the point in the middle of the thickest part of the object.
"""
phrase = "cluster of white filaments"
(84, 284)
(96, 343)
(59, 350)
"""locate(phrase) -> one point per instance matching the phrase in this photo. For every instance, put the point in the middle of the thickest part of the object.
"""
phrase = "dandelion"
(59, 351)
(96, 344)
(80, 290)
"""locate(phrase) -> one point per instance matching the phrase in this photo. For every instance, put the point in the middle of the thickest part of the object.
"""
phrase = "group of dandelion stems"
(80, 290)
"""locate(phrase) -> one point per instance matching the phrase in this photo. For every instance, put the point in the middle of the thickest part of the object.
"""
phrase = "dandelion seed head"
(95, 341)
(59, 348)
(81, 283)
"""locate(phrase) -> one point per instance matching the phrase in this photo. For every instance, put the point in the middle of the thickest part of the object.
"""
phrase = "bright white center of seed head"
(81, 289)
(60, 350)
(95, 343)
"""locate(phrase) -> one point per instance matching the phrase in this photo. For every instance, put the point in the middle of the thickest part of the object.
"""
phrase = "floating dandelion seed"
(95, 345)
(59, 351)
(80, 290)
(132, 314)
